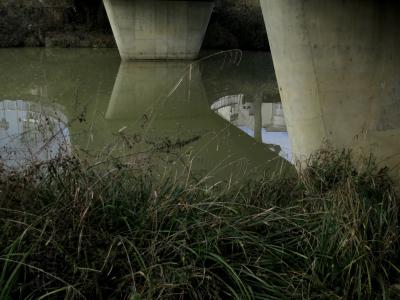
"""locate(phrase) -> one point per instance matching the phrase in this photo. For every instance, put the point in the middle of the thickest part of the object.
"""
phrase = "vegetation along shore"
(71, 229)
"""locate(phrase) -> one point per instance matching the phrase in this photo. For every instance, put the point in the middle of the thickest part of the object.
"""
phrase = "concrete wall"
(338, 69)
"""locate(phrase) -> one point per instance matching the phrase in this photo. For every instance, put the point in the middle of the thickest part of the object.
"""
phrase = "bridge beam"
(158, 29)
(328, 54)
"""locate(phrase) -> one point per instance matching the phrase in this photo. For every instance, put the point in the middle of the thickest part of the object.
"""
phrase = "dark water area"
(223, 112)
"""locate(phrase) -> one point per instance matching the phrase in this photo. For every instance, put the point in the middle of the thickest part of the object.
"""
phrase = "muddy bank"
(84, 23)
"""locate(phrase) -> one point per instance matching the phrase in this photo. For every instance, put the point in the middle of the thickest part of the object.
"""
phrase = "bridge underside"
(156, 29)
(337, 64)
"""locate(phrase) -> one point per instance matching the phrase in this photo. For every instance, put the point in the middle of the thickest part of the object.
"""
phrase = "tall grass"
(71, 230)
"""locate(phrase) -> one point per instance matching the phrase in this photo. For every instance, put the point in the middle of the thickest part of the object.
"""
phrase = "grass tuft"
(74, 230)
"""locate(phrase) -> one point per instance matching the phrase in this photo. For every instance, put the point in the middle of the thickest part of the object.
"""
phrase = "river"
(220, 116)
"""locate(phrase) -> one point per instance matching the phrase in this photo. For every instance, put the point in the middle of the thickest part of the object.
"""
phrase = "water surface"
(223, 111)
(220, 116)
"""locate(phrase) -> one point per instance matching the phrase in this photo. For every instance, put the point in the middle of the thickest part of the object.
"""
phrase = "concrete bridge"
(326, 53)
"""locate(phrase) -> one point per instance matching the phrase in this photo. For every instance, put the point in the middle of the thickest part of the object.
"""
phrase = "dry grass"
(72, 230)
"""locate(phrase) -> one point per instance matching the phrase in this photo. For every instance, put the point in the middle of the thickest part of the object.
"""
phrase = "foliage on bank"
(74, 230)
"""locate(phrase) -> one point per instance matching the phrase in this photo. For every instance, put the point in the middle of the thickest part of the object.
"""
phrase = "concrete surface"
(338, 69)
(148, 30)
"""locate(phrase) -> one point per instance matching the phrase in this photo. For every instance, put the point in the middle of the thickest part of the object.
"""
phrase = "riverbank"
(108, 230)
(84, 23)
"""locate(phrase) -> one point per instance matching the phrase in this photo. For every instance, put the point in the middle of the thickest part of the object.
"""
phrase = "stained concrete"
(157, 29)
(338, 69)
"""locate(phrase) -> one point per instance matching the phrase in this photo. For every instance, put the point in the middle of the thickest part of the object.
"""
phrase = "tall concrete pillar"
(157, 29)
(337, 64)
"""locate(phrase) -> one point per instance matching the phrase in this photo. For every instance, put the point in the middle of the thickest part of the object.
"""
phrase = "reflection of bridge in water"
(232, 101)
(31, 132)
(236, 110)
(264, 122)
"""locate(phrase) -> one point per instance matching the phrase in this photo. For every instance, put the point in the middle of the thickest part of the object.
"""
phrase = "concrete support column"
(335, 61)
(157, 29)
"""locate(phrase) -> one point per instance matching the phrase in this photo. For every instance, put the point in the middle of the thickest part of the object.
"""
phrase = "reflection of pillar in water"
(228, 107)
(258, 118)
(278, 118)
(141, 88)
(162, 90)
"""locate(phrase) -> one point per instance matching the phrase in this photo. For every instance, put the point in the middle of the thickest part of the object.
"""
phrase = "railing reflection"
(263, 121)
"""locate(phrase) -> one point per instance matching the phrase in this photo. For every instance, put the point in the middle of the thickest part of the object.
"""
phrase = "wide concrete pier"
(337, 64)
(156, 29)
